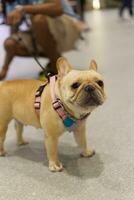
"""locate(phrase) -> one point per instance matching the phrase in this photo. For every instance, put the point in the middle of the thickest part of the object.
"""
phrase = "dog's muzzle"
(90, 96)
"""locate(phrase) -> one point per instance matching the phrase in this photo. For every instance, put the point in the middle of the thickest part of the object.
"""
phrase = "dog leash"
(34, 54)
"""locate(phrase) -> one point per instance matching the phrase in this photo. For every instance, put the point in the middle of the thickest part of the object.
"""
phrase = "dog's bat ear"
(93, 65)
(63, 66)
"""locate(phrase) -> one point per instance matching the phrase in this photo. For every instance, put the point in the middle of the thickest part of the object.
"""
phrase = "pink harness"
(37, 102)
(69, 122)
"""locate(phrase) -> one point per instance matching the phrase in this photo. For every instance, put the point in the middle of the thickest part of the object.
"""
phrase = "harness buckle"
(37, 105)
(57, 104)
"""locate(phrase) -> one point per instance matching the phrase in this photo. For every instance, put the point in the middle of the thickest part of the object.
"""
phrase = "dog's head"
(80, 91)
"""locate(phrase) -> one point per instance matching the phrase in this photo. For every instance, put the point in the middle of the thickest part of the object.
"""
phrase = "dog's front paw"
(88, 153)
(55, 166)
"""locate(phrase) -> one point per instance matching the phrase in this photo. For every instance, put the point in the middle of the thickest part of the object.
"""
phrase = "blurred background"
(99, 15)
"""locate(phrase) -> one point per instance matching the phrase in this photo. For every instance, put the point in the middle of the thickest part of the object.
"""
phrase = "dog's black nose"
(89, 88)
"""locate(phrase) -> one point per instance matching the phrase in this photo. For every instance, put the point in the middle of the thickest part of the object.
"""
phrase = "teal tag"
(68, 122)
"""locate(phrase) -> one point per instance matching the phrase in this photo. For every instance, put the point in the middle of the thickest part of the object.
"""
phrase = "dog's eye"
(75, 85)
(100, 83)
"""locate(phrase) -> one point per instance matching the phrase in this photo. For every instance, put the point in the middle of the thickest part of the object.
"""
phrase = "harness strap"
(59, 109)
(69, 122)
(37, 102)
(52, 87)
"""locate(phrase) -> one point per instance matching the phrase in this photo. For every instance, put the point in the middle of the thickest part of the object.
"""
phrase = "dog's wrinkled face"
(80, 91)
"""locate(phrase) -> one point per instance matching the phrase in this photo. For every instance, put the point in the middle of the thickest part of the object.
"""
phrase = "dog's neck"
(77, 115)
(70, 109)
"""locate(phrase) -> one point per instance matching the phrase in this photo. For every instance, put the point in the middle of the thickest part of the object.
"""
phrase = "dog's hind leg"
(19, 132)
(3, 129)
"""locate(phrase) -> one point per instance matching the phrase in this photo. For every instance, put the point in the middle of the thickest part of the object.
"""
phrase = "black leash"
(35, 54)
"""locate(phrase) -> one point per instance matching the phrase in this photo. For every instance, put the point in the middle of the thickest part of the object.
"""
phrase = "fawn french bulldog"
(79, 92)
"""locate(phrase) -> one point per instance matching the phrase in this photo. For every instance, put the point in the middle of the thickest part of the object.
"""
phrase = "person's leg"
(43, 38)
(130, 8)
(4, 8)
(46, 41)
(3, 3)
(122, 9)
(12, 48)
(131, 11)
(82, 2)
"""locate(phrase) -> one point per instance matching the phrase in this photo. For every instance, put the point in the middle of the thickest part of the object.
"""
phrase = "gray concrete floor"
(109, 175)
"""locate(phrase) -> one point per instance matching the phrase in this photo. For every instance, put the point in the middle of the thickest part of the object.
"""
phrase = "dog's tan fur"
(17, 102)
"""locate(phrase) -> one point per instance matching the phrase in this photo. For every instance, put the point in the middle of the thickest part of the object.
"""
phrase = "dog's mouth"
(92, 99)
